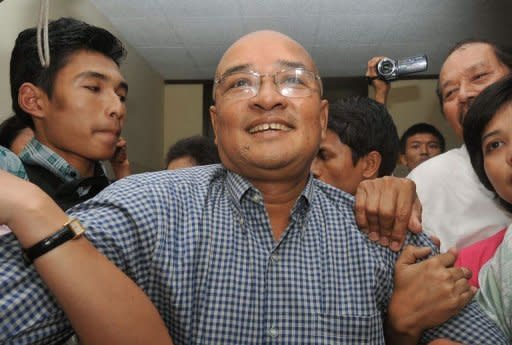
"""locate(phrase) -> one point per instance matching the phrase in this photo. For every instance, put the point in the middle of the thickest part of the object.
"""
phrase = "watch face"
(76, 227)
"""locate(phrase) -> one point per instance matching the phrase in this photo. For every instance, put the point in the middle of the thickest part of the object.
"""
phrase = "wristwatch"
(72, 230)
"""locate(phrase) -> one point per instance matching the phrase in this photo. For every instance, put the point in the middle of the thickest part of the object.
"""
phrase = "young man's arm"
(426, 293)
(469, 326)
(103, 305)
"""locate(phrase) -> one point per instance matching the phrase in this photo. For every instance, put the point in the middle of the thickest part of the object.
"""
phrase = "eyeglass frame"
(317, 77)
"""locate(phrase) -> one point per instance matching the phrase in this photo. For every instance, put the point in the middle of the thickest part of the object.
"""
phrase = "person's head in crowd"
(15, 134)
(488, 138)
(470, 67)
(420, 142)
(361, 143)
(269, 116)
(76, 105)
(192, 151)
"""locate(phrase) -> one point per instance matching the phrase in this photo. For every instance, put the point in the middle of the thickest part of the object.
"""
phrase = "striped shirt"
(199, 242)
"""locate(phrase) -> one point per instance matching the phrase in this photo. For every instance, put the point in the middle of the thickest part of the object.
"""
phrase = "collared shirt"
(36, 153)
(11, 163)
(199, 242)
(58, 178)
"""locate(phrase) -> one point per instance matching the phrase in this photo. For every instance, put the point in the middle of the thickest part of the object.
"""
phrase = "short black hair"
(9, 130)
(66, 36)
(503, 54)
(483, 109)
(202, 149)
(421, 127)
(365, 125)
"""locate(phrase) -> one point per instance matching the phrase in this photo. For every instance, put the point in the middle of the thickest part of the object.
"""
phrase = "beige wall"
(183, 112)
(413, 101)
(145, 100)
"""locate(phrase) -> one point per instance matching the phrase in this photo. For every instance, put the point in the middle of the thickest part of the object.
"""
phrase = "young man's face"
(333, 164)
(268, 136)
(497, 152)
(418, 148)
(84, 117)
(465, 73)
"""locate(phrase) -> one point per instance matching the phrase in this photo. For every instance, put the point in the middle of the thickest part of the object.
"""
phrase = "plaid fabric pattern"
(11, 163)
(199, 242)
(38, 154)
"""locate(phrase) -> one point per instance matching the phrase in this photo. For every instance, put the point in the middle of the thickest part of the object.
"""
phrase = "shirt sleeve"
(29, 313)
(11, 163)
(495, 294)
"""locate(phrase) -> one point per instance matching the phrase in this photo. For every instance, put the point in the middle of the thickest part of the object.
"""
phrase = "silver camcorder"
(389, 69)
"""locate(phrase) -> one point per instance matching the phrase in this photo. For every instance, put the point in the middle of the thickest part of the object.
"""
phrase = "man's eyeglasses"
(294, 82)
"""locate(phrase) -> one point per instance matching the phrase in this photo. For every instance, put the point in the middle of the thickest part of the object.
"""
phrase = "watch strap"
(69, 231)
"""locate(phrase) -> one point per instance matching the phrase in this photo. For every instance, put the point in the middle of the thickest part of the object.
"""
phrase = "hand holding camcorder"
(389, 69)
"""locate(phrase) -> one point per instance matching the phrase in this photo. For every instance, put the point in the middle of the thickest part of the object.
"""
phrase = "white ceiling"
(184, 39)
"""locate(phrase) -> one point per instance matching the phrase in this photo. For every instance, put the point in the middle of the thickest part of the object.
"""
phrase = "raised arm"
(103, 305)
(381, 87)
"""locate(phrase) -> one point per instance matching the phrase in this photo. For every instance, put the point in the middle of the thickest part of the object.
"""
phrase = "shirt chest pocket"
(348, 329)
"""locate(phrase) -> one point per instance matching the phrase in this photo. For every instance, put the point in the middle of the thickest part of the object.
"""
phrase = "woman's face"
(497, 152)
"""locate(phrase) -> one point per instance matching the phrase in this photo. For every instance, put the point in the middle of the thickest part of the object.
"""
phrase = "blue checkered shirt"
(199, 242)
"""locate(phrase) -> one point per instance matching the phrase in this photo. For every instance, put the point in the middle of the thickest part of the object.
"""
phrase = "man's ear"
(402, 159)
(32, 99)
(372, 163)
(324, 116)
(213, 119)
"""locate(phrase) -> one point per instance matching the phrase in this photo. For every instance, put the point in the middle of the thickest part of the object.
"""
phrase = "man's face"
(465, 73)
(333, 164)
(419, 148)
(497, 152)
(84, 117)
(268, 136)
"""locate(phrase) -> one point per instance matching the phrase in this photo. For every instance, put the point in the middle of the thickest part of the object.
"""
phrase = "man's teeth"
(269, 126)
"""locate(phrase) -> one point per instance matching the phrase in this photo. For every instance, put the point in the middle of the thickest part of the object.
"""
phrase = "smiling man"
(76, 107)
(457, 208)
(254, 250)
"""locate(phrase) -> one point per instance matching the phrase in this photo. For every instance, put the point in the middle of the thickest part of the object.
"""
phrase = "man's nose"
(116, 107)
(268, 96)
(467, 94)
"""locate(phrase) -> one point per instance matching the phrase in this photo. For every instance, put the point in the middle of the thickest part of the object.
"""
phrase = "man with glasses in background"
(251, 251)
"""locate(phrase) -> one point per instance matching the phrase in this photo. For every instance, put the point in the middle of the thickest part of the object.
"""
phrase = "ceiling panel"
(183, 39)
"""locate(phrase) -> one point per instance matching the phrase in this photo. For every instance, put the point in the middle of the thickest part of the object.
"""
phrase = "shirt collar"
(37, 153)
(238, 186)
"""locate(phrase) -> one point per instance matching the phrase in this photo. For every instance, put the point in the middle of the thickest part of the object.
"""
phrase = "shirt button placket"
(273, 332)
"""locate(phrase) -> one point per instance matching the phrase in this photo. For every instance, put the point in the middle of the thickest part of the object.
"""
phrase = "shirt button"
(241, 220)
(274, 257)
(273, 332)
(256, 198)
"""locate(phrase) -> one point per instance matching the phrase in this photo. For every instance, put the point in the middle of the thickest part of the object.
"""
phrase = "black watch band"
(71, 230)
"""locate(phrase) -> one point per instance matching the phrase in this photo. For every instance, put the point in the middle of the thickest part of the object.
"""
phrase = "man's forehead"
(468, 56)
(268, 48)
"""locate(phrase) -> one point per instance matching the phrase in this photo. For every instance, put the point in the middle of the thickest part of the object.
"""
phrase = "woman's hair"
(484, 108)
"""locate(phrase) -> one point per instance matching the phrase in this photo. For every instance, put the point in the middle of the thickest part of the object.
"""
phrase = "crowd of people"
(287, 228)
